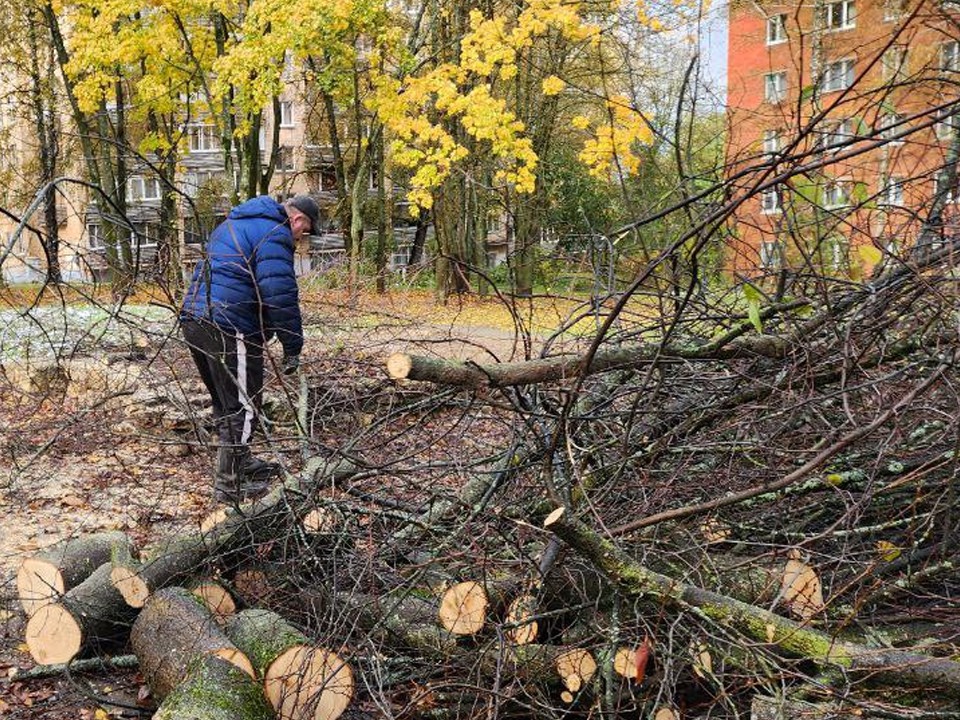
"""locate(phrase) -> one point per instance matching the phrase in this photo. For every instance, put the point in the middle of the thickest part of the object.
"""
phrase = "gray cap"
(308, 206)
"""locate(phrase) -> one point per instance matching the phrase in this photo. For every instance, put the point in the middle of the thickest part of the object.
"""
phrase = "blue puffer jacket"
(247, 282)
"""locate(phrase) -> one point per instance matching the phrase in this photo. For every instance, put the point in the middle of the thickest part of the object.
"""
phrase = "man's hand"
(291, 364)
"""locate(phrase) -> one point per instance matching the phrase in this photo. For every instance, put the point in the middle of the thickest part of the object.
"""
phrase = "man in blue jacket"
(243, 293)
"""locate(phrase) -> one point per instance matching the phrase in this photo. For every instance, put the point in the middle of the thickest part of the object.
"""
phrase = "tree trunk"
(300, 679)
(93, 611)
(44, 577)
(173, 632)
(215, 689)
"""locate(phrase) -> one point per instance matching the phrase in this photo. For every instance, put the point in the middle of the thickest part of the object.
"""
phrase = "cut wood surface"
(174, 630)
(301, 680)
(44, 577)
(91, 611)
(215, 689)
(216, 597)
(463, 608)
(522, 627)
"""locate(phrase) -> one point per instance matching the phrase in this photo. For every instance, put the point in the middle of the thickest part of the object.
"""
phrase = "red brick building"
(842, 117)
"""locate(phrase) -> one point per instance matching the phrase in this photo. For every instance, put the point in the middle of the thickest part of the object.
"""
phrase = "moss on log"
(215, 689)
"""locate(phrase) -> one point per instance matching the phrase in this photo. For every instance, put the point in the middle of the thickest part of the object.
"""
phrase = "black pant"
(232, 369)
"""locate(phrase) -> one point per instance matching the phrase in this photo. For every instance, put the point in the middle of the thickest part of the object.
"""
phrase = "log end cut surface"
(217, 598)
(463, 608)
(133, 587)
(53, 635)
(307, 682)
(520, 615)
(39, 583)
(398, 366)
(576, 668)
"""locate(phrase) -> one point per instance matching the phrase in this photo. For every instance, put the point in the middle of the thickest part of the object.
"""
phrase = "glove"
(291, 364)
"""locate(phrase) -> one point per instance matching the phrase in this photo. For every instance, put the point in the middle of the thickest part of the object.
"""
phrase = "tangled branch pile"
(668, 523)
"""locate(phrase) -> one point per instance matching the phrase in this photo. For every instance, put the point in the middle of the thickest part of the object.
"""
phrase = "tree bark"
(173, 632)
(214, 689)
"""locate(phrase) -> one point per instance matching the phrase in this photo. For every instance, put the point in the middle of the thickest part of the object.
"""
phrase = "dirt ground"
(72, 464)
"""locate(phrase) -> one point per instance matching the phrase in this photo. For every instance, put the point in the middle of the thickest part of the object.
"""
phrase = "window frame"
(891, 123)
(949, 56)
(889, 183)
(777, 29)
(775, 87)
(770, 255)
(838, 81)
(771, 201)
(839, 15)
(286, 114)
(836, 134)
(840, 187)
(203, 138)
(951, 195)
(141, 183)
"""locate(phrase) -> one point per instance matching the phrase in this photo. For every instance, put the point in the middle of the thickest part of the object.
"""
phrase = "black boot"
(234, 482)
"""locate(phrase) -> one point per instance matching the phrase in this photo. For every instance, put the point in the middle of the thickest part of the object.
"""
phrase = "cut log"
(794, 638)
(175, 630)
(301, 681)
(576, 667)
(216, 597)
(467, 606)
(522, 628)
(93, 611)
(215, 689)
(43, 578)
(463, 608)
(401, 366)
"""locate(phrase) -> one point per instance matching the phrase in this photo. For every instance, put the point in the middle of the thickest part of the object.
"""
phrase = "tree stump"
(301, 681)
(175, 630)
(92, 611)
(43, 578)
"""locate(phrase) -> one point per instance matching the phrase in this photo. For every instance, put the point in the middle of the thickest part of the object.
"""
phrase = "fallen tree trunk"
(760, 625)
(301, 680)
(215, 689)
(93, 610)
(173, 632)
(44, 577)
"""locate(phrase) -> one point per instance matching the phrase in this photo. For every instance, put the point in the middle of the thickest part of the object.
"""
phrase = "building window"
(775, 87)
(147, 234)
(950, 56)
(203, 138)
(196, 180)
(837, 76)
(771, 255)
(891, 125)
(948, 120)
(771, 143)
(400, 257)
(143, 188)
(895, 64)
(835, 195)
(776, 29)
(95, 236)
(323, 179)
(286, 113)
(285, 159)
(770, 201)
(949, 193)
(892, 10)
(835, 134)
(839, 15)
(892, 191)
